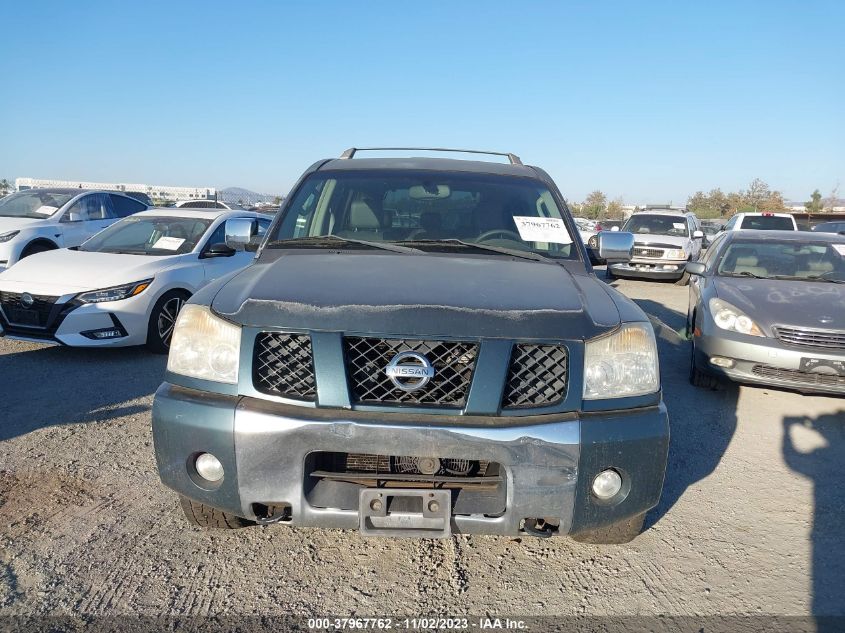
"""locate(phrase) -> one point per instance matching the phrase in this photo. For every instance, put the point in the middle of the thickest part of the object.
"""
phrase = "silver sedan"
(768, 307)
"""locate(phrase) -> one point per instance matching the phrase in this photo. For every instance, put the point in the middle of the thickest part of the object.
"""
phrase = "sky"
(646, 101)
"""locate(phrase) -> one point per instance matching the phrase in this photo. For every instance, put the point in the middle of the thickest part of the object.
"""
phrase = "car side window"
(93, 207)
(731, 223)
(218, 236)
(711, 255)
(124, 206)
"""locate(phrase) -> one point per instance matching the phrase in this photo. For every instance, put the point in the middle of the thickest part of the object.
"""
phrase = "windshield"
(767, 223)
(150, 235)
(33, 204)
(427, 211)
(784, 260)
(675, 225)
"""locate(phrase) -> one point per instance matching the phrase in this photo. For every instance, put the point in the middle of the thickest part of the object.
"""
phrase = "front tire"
(38, 247)
(206, 517)
(614, 534)
(698, 378)
(163, 320)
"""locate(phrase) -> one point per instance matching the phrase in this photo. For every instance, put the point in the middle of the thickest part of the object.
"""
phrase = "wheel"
(207, 517)
(38, 247)
(699, 378)
(163, 320)
(614, 534)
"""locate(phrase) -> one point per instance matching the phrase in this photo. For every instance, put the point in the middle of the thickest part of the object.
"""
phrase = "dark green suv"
(420, 348)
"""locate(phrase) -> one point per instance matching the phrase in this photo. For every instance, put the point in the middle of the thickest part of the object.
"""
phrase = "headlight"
(593, 242)
(622, 364)
(204, 346)
(5, 237)
(677, 253)
(733, 319)
(115, 293)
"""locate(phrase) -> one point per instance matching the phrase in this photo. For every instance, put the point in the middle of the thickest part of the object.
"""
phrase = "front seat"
(363, 224)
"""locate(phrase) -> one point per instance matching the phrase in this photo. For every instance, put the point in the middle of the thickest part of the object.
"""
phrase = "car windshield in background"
(767, 223)
(427, 211)
(33, 204)
(784, 260)
(710, 229)
(675, 225)
(151, 235)
(830, 227)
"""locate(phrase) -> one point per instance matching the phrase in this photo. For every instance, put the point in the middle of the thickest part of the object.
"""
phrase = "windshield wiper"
(820, 278)
(746, 273)
(332, 240)
(484, 247)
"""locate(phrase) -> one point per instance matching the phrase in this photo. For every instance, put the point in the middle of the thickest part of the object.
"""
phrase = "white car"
(126, 285)
(204, 204)
(762, 221)
(37, 220)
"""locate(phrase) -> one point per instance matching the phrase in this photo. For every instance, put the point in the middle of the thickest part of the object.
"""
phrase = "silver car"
(768, 307)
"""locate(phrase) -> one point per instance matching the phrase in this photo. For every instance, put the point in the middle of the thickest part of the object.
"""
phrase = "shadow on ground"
(702, 422)
(57, 385)
(823, 466)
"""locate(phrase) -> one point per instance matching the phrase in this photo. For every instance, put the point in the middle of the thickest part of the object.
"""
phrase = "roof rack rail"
(513, 158)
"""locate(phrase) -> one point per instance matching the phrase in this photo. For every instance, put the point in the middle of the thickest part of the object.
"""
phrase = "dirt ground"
(749, 521)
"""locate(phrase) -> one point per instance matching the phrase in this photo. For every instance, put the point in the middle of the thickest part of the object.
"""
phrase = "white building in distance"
(160, 192)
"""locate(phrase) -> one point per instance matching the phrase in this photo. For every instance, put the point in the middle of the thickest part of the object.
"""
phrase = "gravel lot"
(749, 522)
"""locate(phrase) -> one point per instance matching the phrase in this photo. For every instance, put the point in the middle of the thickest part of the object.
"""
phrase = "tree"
(595, 205)
(833, 199)
(758, 193)
(614, 210)
(5, 187)
(814, 205)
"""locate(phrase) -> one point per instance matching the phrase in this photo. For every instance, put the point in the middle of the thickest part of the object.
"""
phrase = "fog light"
(721, 362)
(607, 484)
(209, 467)
(669, 267)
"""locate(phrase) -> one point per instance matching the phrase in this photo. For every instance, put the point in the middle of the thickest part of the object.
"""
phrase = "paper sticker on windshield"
(679, 225)
(840, 248)
(533, 229)
(46, 210)
(169, 243)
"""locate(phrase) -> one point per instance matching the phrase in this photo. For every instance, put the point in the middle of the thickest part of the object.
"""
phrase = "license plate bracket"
(22, 316)
(405, 512)
(822, 366)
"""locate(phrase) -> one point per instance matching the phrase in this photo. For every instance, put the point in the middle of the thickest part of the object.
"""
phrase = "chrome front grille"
(367, 358)
(829, 339)
(537, 376)
(282, 366)
(651, 253)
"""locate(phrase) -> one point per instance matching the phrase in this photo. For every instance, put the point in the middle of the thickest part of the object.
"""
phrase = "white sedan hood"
(64, 271)
(16, 224)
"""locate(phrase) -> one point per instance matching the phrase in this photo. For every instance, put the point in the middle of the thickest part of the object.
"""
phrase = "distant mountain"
(238, 195)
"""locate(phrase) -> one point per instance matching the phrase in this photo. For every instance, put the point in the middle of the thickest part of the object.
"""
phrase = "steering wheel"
(503, 232)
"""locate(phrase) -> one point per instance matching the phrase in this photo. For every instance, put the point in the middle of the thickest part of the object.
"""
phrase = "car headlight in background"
(115, 293)
(733, 319)
(5, 237)
(204, 346)
(622, 364)
(593, 242)
(676, 253)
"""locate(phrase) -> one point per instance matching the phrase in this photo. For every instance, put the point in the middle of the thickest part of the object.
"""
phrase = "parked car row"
(416, 342)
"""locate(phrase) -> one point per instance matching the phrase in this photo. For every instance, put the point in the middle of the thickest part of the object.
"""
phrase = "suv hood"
(422, 295)
(649, 239)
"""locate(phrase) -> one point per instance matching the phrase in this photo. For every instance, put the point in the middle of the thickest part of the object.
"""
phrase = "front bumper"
(649, 269)
(67, 326)
(549, 461)
(765, 361)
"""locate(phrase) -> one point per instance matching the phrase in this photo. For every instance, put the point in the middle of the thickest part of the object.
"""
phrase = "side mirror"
(218, 250)
(615, 246)
(697, 235)
(695, 268)
(253, 244)
(239, 231)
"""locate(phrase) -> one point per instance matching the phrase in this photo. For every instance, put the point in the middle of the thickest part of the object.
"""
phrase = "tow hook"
(282, 514)
(538, 528)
